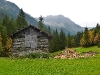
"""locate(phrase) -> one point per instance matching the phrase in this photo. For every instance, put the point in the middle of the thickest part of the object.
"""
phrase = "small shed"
(30, 39)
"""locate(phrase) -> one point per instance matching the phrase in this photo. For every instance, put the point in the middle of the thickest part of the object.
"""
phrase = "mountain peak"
(62, 22)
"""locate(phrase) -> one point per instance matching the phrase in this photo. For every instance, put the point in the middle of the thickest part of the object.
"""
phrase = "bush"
(38, 55)
(99, 44)
(45, 55)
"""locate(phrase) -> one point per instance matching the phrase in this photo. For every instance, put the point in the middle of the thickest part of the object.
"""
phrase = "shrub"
(99, 44)
(38, 55)
(45, 55)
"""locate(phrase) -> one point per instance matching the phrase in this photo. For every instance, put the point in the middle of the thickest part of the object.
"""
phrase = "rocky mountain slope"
(12, 10)
(58, 21)
(61, 22)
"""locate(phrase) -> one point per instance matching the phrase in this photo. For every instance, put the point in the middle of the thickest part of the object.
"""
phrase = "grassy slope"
(83, 66)
(81, 49)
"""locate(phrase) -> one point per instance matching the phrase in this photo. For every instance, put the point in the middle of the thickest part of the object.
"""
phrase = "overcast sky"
(82, 12)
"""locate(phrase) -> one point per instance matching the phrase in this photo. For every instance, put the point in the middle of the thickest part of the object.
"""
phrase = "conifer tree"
(12, 27)
(9, 24)
(1, 43)
(69, 40)
(78, 38)
(3, 33)
(85, 41)
(55, 42)
(21, 20)
(62, 40)
(86, 37)
(5, 23)
(49, 29)
(40, 24)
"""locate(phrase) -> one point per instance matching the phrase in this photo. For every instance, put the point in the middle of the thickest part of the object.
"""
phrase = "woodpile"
(68, 54)
(89, 54)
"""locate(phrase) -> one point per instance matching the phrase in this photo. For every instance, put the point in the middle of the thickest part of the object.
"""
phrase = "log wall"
(28, 41)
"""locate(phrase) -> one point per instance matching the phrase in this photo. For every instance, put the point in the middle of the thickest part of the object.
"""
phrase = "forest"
(60, 41)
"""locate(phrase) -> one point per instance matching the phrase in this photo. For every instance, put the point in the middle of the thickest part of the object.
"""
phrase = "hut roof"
(19, 30)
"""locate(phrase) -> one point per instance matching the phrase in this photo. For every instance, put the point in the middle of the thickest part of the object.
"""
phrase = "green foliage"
(99, 44)
(58, 41)
(97, 29)
(12, 26)
(3, 33)
(1, 48)
(69, 40)
(78, 38)
(86, 38)
(74, 41)
(1, 14)
(9, 24)
(62, 37)
(90, 37)
(21, 20)
(37, 55)
(40, 24)
(49, 29)
(55, 42)
(33, 55)
(7, 27)
(82, 49)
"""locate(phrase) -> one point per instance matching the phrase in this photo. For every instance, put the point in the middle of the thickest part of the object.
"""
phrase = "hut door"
(30, 41)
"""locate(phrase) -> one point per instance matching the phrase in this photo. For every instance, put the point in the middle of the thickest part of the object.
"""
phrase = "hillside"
(12, 10)
(61, 22)
(58, 21)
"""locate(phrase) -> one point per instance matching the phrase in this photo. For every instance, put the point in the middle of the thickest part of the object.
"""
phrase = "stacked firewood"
(67, 53)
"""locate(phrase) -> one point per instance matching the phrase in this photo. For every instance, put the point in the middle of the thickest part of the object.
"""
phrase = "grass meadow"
(26, 66)
(81, 49)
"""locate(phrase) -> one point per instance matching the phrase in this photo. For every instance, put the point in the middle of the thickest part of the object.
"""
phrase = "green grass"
(25, 66)
(83, 66)
(55, 53)
(81, 49)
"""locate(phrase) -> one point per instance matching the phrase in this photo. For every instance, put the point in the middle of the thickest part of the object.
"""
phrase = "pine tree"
(78, 38)
(86, 37)
(69, 40)
(62, 40)
(40, 24)
(55, 42)
(12, 27)
(49, 30)
(1, 43)
(21, 20)
(5, 23)
(85, 41)
(97, 29)
(3, 33)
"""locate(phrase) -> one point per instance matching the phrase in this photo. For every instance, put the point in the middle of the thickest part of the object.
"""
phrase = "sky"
(82, 12)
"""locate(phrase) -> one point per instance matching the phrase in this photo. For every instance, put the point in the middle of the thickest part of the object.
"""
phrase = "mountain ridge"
(12, 10)
(62, 22)
(55, 22)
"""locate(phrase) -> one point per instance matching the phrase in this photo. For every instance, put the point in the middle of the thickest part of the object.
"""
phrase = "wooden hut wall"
(30, 40)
